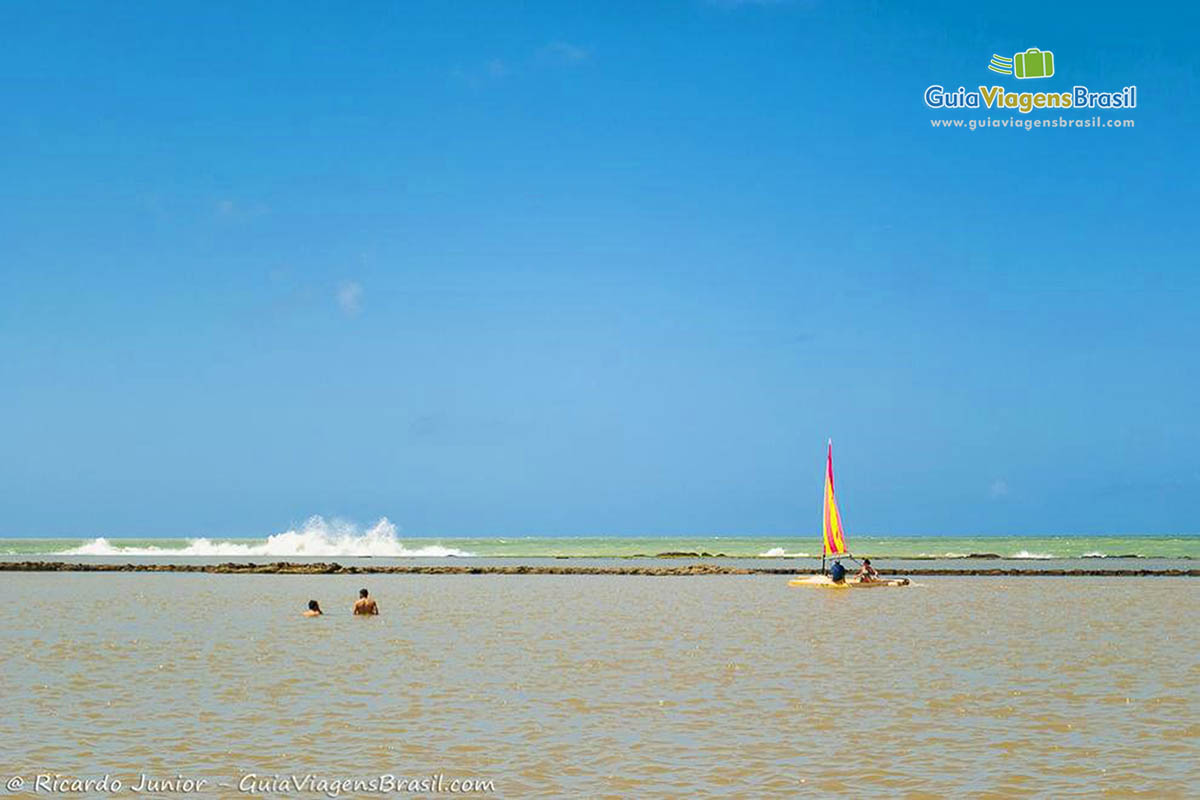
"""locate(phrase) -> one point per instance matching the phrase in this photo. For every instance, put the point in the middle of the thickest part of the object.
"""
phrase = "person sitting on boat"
(837, 572)
(867, 573)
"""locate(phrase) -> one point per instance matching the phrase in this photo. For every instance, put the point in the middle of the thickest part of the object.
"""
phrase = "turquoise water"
(382, 541)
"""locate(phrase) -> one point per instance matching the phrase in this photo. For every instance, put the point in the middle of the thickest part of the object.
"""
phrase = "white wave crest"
(779, 552)
(316, 537)
(1027, 554)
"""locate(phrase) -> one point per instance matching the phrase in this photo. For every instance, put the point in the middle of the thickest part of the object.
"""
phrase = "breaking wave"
(1027, 554)
(316, 537)
(779, 552)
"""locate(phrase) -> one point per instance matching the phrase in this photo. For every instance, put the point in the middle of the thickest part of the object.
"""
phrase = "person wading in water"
(365, 604)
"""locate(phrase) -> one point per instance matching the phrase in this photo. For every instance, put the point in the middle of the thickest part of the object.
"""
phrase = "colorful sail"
(835, 545)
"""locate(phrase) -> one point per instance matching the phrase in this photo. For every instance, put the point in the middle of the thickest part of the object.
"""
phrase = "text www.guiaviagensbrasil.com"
(1017, 123)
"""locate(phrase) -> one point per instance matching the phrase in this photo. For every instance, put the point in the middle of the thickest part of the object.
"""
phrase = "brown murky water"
(609, 686)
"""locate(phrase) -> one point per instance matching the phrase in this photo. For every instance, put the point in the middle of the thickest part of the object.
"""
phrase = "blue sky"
(594, 268)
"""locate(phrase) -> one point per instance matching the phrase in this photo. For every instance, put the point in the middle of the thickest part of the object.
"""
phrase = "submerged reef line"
(333, 568)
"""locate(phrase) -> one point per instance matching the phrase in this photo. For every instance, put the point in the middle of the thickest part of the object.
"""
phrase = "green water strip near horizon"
(1030, 547)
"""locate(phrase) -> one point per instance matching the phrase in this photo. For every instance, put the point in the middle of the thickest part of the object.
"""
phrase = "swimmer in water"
(365, 604)
(314, 609)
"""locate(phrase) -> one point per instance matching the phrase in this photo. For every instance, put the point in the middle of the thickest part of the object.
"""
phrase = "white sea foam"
(1027, 554)
(779, 552)
(1095, 554)
(316, 537)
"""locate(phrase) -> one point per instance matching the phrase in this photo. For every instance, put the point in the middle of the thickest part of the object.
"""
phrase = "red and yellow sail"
(835, 545)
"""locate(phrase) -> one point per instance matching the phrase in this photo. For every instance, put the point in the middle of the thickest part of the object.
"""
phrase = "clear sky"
(591, 268)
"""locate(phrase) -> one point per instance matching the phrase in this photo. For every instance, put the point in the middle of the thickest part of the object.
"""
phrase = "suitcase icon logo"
(1033, 63)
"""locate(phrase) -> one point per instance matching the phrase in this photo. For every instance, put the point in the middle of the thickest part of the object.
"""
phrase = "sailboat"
(833, 543)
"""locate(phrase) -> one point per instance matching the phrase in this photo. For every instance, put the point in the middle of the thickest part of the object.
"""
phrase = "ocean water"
(319, 538)
(556, 686)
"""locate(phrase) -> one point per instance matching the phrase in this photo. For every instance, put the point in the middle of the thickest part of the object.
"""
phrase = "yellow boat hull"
(825, 582)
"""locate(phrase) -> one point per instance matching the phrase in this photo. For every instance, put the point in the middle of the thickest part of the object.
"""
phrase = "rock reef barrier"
(333, 568)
